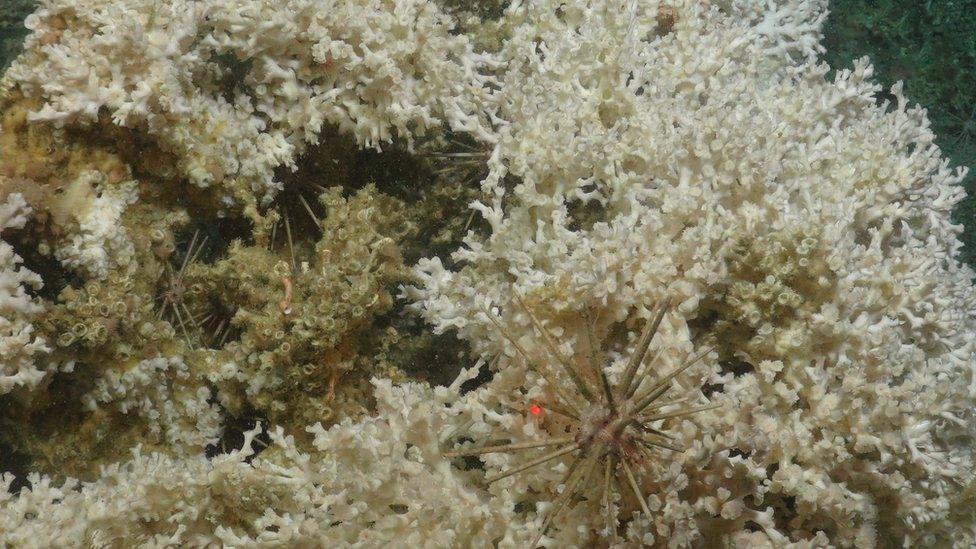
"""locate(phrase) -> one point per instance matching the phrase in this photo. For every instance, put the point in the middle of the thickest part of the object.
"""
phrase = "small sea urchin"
(612, 427)
(172, 295)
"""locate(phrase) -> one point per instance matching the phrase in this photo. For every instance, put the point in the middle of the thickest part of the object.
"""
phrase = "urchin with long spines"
(611, 424)
(173, 295)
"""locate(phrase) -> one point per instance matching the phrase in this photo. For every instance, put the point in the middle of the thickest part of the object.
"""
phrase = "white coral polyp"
(376, 482)
(236, 89)
(100, 242)
(21, 350)
(646, 161)
(160, 390)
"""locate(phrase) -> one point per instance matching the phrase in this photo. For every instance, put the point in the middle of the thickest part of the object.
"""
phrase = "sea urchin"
(612, 427)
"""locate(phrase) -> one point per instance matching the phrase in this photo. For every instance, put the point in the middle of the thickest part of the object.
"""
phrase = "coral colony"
(692, 291)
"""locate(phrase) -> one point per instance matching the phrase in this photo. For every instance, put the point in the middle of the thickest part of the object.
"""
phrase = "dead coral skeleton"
(614, 428)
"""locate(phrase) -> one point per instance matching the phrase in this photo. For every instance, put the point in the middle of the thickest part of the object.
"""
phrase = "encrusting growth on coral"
(613, 427)
(300, 308)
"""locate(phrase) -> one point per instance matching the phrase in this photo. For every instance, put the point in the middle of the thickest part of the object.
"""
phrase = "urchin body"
(606, 431)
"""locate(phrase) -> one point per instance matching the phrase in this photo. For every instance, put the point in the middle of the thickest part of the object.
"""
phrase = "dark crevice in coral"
(485, 10)
(46, 428)
(216, 328)
(394, 171)
(436, 215)
(326, 164)
(707, 317)
(584, 214)
(300, 213)
(136, 147)
(436, 205)
(784, 512)
(736, 367)
(709, 389)
(471, 463)
(232, 435)
(56, 278)
(467, 463)
(484, 376)
(735, 452)
(233, 72)
(751, 526)
(210, 239)
(421, 354)
(16, 463)
(436, 188)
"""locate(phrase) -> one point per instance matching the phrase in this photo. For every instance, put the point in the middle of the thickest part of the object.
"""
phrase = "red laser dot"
(535, 409)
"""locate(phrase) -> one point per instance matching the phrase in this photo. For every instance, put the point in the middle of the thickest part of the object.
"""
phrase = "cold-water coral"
(634, 159)
(371, 482)
(161, 389)
(101, 241)
(232, 108)
(21, 349)
(111, 232)
(800, 226)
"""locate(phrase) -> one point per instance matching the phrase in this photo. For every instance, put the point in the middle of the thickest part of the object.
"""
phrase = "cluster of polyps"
(614, 427)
